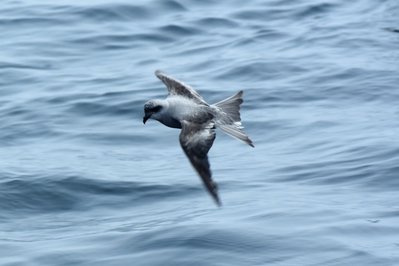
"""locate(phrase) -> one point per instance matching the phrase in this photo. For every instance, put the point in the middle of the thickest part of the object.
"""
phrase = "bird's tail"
(230, 121)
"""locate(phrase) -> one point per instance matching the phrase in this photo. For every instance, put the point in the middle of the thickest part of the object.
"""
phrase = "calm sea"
(84, 182)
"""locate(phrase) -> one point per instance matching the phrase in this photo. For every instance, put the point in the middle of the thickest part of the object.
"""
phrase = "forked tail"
(229, 121)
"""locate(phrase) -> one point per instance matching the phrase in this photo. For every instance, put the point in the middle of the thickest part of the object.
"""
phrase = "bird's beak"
(146, 117)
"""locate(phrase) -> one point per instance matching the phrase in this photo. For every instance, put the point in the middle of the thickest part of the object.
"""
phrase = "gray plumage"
(184, 108)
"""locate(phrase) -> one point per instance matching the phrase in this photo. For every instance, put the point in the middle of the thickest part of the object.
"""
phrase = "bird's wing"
(196, 140)
(176, 87)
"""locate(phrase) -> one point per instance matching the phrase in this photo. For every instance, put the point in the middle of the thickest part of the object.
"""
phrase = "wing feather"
(176, 87)
(196, 141)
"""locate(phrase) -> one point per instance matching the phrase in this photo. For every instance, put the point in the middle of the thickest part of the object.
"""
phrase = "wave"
(363, 167)
(32, 194)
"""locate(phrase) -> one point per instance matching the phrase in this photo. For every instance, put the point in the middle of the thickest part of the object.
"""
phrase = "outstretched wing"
(176, 87)
(196, 140)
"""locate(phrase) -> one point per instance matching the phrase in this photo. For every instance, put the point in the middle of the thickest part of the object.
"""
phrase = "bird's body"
(178, 108)
(184, 108)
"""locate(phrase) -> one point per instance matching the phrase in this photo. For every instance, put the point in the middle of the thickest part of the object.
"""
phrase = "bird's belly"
(182, 109)
(171, 122)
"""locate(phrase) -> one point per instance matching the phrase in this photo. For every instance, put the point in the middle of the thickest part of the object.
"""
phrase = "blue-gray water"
(84, 182)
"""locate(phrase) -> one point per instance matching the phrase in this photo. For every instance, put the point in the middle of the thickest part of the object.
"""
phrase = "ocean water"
(84, 182)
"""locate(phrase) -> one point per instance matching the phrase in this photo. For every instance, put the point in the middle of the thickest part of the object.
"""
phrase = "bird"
(185, 109)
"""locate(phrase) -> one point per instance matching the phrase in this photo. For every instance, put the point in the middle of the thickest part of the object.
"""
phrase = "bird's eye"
(153, 109)
(156, 109)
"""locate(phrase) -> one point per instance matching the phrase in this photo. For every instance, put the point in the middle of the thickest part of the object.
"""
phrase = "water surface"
(84, 182)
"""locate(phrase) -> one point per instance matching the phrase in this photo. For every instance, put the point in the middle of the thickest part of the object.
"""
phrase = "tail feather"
(230, 121)
(237, 133)
(231, 106)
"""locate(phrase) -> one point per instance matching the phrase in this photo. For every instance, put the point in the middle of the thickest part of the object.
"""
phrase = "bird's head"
(152, 109)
